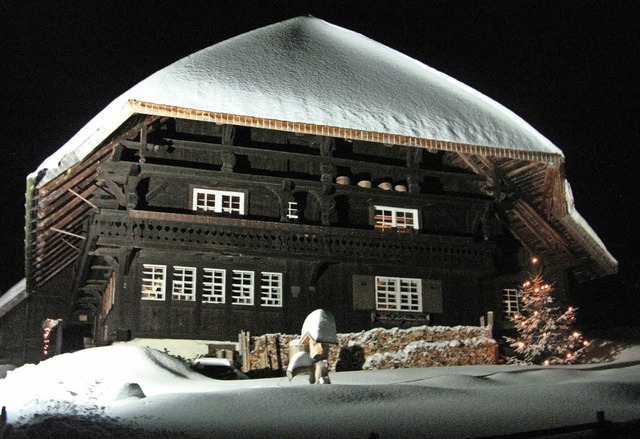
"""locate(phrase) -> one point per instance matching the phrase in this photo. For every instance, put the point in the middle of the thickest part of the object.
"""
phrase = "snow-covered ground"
(142, 392)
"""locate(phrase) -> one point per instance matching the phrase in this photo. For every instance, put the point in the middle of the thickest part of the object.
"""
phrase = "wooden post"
(243, 347)
(482, 321)
(278, 353)
(267, 361)
(490, 323)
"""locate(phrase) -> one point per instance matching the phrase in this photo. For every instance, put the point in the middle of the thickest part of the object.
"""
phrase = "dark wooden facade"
(194, 208)
(326, 249)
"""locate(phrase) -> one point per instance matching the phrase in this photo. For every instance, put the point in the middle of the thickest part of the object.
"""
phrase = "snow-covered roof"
(320, 325)
(309, 72)
(308, 76)
(13, 297)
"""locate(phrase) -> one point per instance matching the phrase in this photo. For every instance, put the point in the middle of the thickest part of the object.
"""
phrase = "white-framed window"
(217, 201)
(184, 284)
(154, 282)
(398, 294)
(292, 210)
(271, 289)
(242, 287)
(387, 217)
(213, 285)
(510, 302)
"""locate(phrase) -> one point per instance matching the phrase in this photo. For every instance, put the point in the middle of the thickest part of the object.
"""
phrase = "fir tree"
(545, 334)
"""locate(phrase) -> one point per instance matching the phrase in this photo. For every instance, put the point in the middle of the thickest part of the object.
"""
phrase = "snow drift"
(468, 401)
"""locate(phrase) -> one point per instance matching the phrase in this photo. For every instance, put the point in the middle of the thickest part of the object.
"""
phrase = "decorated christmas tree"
(545, 334)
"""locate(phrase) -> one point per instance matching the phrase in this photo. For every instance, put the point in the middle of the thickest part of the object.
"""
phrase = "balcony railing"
(234, 235)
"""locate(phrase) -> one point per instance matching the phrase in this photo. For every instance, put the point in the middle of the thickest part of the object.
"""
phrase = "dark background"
(570, 68)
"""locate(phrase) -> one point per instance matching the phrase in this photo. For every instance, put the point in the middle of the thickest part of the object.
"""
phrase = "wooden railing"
(218, 233)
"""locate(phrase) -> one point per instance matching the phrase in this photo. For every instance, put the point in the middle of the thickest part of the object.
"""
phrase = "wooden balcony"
(234, 235)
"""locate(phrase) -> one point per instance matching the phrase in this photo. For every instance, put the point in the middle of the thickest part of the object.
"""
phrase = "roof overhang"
(13, 297)
(338, 132)
(326, 81)
(545, 220)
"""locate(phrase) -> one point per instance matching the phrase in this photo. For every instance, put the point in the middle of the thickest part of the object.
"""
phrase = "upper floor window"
(292, 210)
(510, 302)
(210, 200)
(386, 217)
(398, 294)
(154, 281)
(184, 284)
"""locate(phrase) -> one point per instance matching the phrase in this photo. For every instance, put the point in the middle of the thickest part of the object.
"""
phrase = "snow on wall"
(186, 348)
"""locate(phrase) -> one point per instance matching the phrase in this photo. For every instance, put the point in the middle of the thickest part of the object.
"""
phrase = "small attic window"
(218, 201)
(396, 218)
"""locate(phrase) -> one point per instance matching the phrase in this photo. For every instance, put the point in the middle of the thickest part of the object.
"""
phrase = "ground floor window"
(213, 285)
(184, 284)
(154, 280)
(398, 294)
(242, 287)
(271, 289)
(510, 302)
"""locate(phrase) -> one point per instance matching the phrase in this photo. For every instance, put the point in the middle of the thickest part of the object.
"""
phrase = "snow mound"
(83, 382)
(76, 392)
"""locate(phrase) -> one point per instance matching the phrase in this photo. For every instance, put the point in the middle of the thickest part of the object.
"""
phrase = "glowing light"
(521, 345)
(547, 362)
(576, 334)
(586, 343)
(47, 326)
(534, 260)
(569, 355)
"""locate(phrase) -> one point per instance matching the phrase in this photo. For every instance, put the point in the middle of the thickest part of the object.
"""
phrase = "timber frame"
(208, 200)
(128, 202)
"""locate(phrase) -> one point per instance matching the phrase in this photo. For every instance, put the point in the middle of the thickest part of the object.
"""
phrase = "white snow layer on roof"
(148, 389)
(320, 325)
(309, 71)
(13, 296)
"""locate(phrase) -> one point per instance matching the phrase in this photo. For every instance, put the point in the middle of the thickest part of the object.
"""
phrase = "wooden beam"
(83, 198)
(474, 167)
(67, 233)
(538, 225)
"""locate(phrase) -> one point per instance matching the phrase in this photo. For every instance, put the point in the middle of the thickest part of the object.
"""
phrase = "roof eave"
(341, 132)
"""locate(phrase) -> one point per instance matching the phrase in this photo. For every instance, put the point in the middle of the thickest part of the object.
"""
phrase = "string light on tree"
(545, 335)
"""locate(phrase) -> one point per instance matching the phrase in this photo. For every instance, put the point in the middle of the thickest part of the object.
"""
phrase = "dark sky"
(570, 68)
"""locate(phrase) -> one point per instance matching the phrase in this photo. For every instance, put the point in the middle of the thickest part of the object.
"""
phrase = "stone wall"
(423, 346)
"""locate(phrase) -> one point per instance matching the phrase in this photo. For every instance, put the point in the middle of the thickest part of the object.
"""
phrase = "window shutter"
(364, 292)
(431, 296)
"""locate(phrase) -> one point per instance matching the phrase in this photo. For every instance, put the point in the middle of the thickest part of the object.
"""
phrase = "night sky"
(570, 68)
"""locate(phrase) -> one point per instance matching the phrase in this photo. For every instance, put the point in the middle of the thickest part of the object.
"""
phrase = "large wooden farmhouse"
(295, 167)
